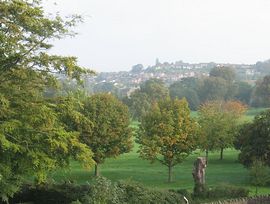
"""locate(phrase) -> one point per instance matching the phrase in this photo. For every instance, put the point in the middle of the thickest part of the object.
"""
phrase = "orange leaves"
(237, 108)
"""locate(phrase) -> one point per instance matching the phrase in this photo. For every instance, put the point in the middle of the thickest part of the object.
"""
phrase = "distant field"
(250, 114)
(131, 167)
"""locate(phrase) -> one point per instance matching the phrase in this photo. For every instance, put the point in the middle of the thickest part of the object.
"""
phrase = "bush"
(227, 191)
(259, 173)
(136, 193)
(182, 192)
(101, 190)
(51, 193)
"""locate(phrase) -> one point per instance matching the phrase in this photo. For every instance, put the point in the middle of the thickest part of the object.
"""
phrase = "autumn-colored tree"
(111, 134)
(218, 122)
(167, 133)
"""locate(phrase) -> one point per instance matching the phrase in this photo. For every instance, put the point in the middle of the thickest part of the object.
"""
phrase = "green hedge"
(100, 191)
(103, 191)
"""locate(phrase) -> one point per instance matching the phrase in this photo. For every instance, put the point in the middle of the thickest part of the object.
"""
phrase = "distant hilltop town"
(169, 73)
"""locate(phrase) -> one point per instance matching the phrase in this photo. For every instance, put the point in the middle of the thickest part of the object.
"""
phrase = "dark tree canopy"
(186, 88)
(244, 92)
(220, 85)
(253, 140)
(155, 89)
(262, 92)
(141, 99)
(213, 88)
(226, 73)
(263, 67)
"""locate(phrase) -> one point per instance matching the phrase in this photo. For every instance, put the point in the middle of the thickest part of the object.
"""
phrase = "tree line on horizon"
(221, 84)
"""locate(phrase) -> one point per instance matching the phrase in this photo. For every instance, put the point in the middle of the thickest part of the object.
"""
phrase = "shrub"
(227, 191)
(51, 193)
(136, 193)
(101, 190)
(182, 192)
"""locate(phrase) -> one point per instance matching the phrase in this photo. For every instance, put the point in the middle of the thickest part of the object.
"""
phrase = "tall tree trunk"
(206, 156)
(170, 173)
(221, 153)
(96, 170)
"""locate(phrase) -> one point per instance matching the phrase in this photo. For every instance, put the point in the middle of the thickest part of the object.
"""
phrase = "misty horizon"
(117, 35)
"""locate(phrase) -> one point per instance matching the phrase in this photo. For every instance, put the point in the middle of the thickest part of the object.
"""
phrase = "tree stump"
(199, 175)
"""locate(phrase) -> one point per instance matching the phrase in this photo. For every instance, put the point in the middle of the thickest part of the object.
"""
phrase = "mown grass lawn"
(130, 167)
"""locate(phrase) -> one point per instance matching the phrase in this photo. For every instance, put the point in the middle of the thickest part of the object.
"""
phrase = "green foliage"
(105, 87)
(244, 92)
(227, 191)
(167, 133)
(213, 88)
(104, 191)
(218, 123)
(70, 111)
(140, 101)
(262, 92)
(259, 173)
(137, 193)
(227, 73)
(32, 138)
(111, 134)
(263, 67)
(101, 190)
(155, 89)
(219, 85)
(187, 88)
(51, 193)
(253, 140)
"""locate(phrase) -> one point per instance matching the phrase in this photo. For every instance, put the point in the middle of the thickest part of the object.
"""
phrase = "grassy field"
(131, 167)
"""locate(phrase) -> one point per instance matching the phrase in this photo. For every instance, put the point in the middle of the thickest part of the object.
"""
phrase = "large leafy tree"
(219, 85)
(167, 133)
(155, 89)
(139, 103)
(111, 134)
(186, 88)
(244, 92)
(253, 140)
(213, 88)
(218, 123)
(263, 67)
(262, 92)
(227, 73)
(33, 140)
(141, 100)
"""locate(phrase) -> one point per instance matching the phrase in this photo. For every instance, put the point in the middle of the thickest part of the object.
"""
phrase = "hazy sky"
(120, 33)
